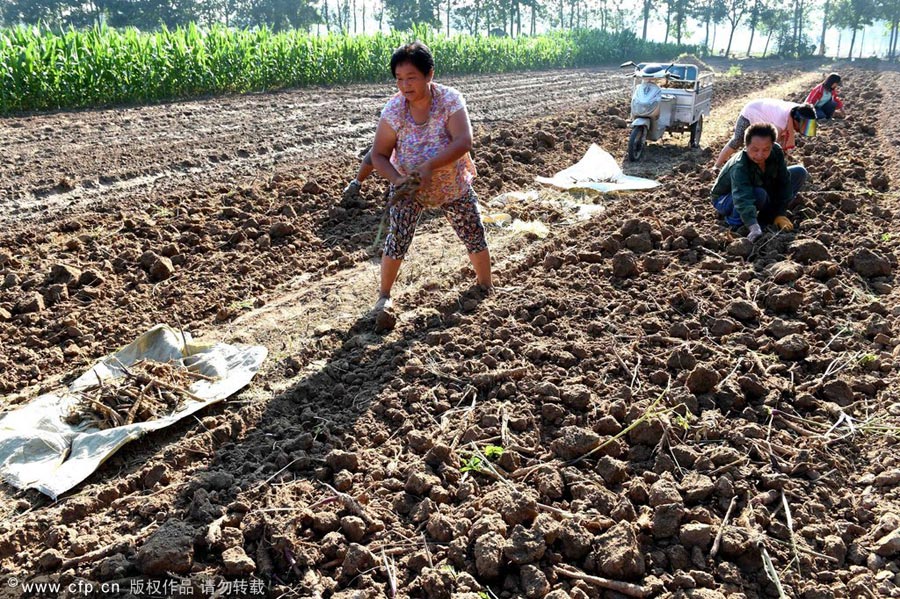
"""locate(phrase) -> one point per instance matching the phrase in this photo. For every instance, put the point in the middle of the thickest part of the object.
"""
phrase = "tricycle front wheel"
(696, 131)
(636, 143)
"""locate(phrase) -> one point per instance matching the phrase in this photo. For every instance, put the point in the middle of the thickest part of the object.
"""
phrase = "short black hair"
(803, 111)
(830, 81)
(760, 130)
(415, 53)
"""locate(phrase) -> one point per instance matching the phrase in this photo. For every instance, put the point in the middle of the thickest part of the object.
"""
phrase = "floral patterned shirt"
(418, 143)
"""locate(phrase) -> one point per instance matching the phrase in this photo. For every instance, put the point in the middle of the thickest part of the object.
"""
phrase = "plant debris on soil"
(147, 391)
(649, 405)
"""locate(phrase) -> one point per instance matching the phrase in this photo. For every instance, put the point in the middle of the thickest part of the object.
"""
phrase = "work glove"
(783, 223)
(755, 232)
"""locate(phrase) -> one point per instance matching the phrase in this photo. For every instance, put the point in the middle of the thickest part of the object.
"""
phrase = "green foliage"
(404, 14)
(493, 452)
(886, 237)
(734, 71)
(42, 69)
(473, 464)
(866, 359)
(684, 421)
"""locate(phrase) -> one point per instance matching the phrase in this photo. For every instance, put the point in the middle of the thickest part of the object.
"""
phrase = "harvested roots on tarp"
(147, 391)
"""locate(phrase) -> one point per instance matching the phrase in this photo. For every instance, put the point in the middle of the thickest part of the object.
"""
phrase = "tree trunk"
(896, 26)
(364, 17)
(795, 34)
(668, 23)
(706, 35)
(448, 18)
(890, 43)
(354, 16)
(862, 41)
(896, 35)
(753, 18)
(533, 19)
(766, 49)
(852, 41)
(477, 15)
(647, 5)
(325, 15)
(824, 28)
(730, 38)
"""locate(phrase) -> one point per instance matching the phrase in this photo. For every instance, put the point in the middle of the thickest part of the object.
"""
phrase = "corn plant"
(44, 70)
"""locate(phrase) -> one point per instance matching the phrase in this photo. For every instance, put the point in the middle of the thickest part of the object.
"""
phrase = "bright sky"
(874, 40)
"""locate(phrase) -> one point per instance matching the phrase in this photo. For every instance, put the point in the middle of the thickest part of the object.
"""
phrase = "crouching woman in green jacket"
(755, 187)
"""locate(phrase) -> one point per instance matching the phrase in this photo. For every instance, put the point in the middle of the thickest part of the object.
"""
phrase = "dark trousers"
(766, 208)
(826, 110)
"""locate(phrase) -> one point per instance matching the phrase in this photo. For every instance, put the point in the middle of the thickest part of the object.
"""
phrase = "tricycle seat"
(685, 72)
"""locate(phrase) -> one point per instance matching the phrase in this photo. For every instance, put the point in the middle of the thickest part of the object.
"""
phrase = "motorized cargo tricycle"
(673, 97)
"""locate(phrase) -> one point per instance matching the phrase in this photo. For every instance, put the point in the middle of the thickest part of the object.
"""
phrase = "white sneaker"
(352, 189)
(383, 304)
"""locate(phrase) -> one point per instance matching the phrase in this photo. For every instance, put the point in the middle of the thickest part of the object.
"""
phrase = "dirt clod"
(702, 379)
(624, 264)
(169, 549)
(869, 264)
(792, 347)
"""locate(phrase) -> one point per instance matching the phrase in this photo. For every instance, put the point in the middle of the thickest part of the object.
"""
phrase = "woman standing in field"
(423, 141)
(824, 97)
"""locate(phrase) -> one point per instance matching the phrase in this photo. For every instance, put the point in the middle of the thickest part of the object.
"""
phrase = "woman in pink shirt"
(425, 130)
(788, 117)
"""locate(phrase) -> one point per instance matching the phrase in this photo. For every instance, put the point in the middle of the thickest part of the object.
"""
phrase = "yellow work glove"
(783, 223)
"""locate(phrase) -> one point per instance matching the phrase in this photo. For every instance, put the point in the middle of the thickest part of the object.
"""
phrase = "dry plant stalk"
(348, 502)
(715, 547)
(625, 588)
(790, 524)
(391, 568)
(406, 191)
(771, 572)
(648, 415)
(148, 391)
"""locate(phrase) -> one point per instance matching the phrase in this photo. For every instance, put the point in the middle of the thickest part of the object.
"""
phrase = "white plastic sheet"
(39, 450)
(597, 171)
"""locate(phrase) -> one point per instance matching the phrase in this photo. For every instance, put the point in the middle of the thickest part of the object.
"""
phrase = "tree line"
(783, 24)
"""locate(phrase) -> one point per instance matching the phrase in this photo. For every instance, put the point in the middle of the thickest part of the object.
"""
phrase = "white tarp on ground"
(597, 171)
(39, 450)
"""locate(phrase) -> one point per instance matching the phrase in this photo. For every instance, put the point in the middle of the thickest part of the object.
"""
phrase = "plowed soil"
(648, 406)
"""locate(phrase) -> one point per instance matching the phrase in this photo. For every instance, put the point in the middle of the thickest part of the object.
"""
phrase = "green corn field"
(45, 70)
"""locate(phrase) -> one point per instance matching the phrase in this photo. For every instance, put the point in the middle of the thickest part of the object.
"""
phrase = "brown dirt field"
(644, 370)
